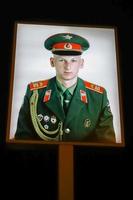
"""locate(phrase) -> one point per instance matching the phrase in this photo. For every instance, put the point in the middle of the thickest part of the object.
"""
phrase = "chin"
(68, 77)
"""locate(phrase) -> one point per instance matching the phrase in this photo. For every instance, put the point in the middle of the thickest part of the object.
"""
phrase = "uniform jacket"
(89, 117)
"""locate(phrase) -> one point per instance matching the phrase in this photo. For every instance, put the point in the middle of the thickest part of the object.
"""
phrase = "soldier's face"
(67, 67)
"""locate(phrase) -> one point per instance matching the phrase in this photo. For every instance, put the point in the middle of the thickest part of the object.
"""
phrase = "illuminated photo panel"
(98, 71)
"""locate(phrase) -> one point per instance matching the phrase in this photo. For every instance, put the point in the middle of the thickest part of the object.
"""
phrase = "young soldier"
(65, 107)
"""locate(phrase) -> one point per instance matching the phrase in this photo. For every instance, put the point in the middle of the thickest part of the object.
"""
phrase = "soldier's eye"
(74, 60)
(61, 60)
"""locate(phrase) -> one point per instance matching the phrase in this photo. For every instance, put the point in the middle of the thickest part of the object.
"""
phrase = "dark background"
(101, 171)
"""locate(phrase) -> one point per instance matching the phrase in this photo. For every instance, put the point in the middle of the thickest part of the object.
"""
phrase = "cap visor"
(67, 52)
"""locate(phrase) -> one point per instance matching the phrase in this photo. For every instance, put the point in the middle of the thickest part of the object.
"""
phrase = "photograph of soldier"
(66, 107)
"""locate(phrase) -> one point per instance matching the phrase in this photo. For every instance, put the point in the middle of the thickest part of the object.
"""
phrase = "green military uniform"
(89, 117)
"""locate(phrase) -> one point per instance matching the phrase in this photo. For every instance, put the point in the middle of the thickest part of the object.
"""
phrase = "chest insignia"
(46, 118)
(87, 123)
(53, 119)
(40, 117)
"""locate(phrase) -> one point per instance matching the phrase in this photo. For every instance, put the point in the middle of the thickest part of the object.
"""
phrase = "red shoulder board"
(94, 87)
(38, 85)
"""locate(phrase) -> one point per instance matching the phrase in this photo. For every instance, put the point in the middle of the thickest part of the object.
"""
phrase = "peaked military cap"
(66, 44)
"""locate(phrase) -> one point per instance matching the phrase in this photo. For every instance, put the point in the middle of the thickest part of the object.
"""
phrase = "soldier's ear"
(82, 63)
(52, 61)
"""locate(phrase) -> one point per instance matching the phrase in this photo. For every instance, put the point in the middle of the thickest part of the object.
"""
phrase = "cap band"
(67, 46)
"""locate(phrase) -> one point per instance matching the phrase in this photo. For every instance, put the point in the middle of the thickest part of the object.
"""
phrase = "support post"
(65, 172)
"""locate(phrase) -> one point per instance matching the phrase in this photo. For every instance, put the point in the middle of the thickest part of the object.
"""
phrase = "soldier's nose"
(68, 65)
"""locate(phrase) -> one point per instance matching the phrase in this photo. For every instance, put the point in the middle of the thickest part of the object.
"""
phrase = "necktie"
(66, 100)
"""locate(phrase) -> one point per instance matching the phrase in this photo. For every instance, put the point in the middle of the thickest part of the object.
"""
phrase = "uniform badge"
(47, 96)
(53, 120)
(83, 96)
(67, 46)
(46, 126)
(40, 117)
(87, 123)
(46, 118)
(68, 37)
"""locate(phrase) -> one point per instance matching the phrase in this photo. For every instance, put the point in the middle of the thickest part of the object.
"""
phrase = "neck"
(67, 83)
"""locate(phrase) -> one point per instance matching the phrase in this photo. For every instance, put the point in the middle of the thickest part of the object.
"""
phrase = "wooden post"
(65, 171)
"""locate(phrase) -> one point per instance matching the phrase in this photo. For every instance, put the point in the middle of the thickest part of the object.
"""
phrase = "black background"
(105, 172)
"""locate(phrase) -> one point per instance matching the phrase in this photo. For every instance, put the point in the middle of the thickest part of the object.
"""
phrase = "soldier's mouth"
(67, 72)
